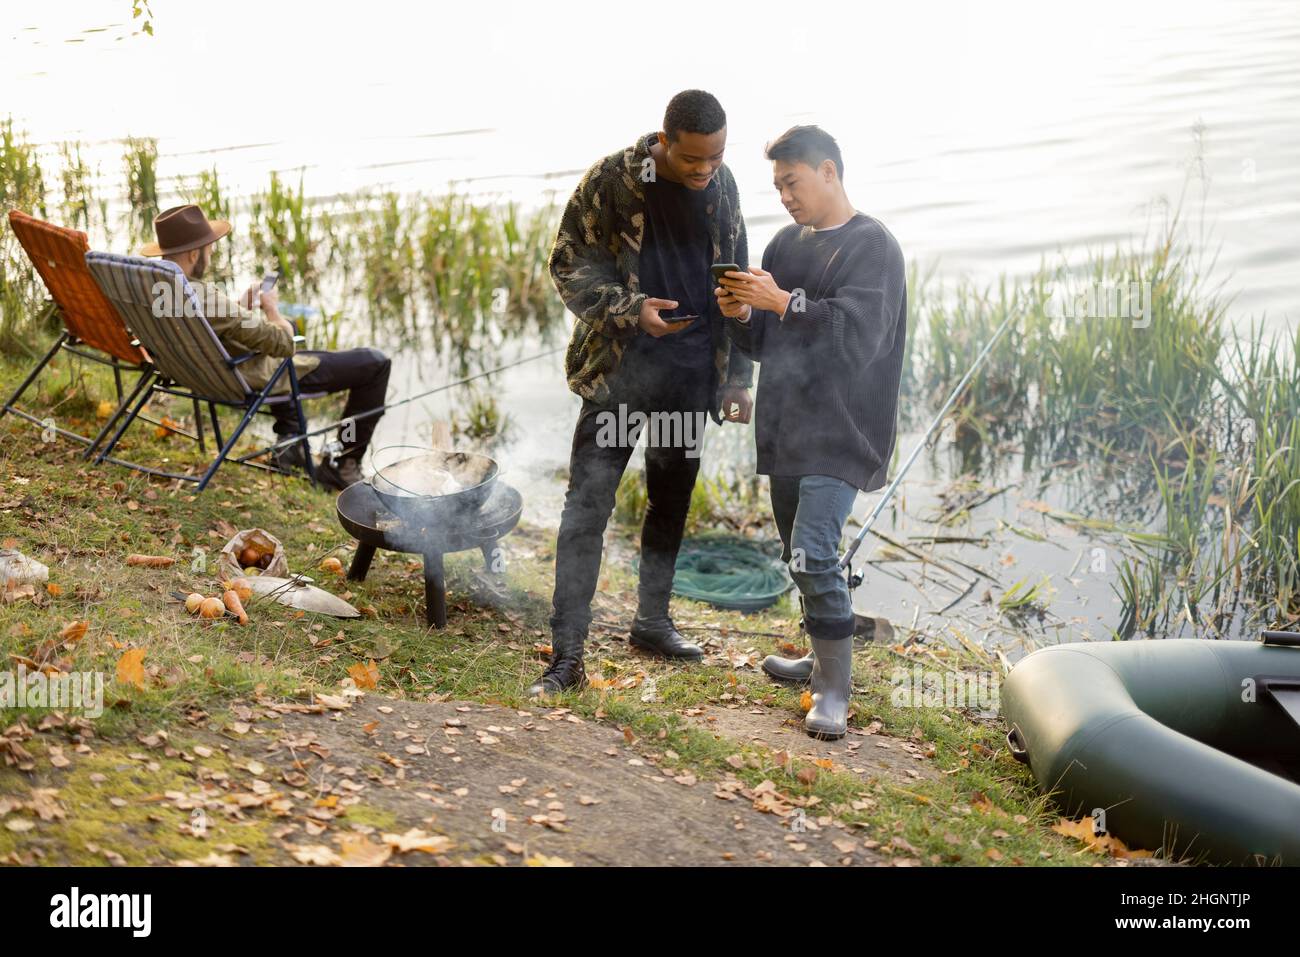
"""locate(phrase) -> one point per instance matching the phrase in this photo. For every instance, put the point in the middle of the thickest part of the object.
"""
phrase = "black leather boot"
(658, 635)
(566, 671)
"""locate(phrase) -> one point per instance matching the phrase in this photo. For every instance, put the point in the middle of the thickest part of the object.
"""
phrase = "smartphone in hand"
(677, 319)
(270, 279)
(718, 269)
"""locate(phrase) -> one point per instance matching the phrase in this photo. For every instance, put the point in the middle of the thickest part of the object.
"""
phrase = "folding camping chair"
(92, 327)
(159, 305)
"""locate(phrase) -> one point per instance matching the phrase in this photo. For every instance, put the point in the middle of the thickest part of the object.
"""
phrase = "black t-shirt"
(676, 253)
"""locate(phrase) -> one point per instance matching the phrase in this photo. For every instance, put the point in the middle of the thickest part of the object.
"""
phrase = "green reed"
(282, 232)
(389, 264)
(205, 191)
(22, 186)
(80, 208)
(480, 416)
(141, 164)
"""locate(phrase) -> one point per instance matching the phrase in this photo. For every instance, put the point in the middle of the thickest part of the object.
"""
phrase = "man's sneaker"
(291, 458)
(328, 475)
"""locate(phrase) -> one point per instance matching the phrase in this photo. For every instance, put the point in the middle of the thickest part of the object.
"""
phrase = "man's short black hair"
(693, 111)
(806, 144)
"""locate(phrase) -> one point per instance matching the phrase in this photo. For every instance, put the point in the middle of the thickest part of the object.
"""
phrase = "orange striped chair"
(92, 328)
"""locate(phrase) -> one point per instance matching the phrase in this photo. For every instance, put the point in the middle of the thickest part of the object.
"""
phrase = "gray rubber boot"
(793, 670)
(832, 683)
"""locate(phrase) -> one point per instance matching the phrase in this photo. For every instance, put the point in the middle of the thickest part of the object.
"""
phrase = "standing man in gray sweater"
(826, 318)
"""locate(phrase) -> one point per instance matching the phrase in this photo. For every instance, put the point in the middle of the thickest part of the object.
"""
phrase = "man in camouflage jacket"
(660, 212)
(594, 267)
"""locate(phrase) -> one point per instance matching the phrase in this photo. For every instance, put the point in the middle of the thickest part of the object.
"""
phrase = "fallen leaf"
(130, 667)
(166, 427)
(357, 850)
(365, 676)
(317, 854)
(417, 840)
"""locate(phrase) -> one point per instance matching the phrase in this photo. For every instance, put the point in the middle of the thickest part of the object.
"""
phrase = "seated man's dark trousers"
(364, 374)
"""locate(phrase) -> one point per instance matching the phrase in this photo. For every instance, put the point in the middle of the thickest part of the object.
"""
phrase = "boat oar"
(846, 562)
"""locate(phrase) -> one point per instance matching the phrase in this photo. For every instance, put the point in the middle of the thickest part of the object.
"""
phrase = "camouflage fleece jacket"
(595, 261)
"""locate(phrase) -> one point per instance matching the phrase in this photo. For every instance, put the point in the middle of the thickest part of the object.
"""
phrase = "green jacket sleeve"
(242, 331)
(584, 269)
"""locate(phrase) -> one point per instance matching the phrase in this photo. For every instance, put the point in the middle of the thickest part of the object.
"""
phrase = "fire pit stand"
(374, 526)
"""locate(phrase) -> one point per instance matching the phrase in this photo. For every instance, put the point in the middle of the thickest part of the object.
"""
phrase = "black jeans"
(596, 466)
(364, 373)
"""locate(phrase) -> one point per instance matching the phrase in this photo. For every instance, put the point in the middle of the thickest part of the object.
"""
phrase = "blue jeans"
(810, 512)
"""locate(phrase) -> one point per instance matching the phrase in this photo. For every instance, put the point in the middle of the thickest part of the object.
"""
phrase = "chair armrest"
(244, 358)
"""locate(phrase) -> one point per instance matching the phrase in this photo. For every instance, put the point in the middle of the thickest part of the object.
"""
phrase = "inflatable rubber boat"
(1190, 747)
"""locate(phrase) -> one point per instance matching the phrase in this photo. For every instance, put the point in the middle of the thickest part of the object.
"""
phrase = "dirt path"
(506, 786)
(863, 751)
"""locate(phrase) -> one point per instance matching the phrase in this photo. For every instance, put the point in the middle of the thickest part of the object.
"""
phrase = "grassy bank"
(973, 804)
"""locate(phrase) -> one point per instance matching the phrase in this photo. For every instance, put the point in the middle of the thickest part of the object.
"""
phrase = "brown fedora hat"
(182, 228)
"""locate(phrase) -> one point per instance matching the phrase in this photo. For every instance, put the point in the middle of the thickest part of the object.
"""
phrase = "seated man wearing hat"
(185, 236)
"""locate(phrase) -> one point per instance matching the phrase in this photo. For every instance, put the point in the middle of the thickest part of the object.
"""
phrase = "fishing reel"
(332, 450)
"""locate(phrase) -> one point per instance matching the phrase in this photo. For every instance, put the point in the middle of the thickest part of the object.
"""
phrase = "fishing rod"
(846, 562)
(380, 410)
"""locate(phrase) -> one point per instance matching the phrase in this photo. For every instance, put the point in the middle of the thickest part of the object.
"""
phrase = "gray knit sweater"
(827, 399)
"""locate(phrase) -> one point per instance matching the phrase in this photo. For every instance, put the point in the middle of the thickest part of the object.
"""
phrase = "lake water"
(989, 141)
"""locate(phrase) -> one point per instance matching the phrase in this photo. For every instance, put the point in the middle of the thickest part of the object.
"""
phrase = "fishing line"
(285, 443)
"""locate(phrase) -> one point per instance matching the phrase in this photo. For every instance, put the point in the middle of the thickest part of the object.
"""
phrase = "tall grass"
(282, 231)
(1207, 425)
(22, 186)
(141, 163)
(205, 191)
(388, 264)
(80, 208)
(1263, 383)
(1108, 379)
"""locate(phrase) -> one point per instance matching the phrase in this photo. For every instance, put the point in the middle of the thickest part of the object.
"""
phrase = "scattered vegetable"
(240, 587)
(151, 561)
(231, 598)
